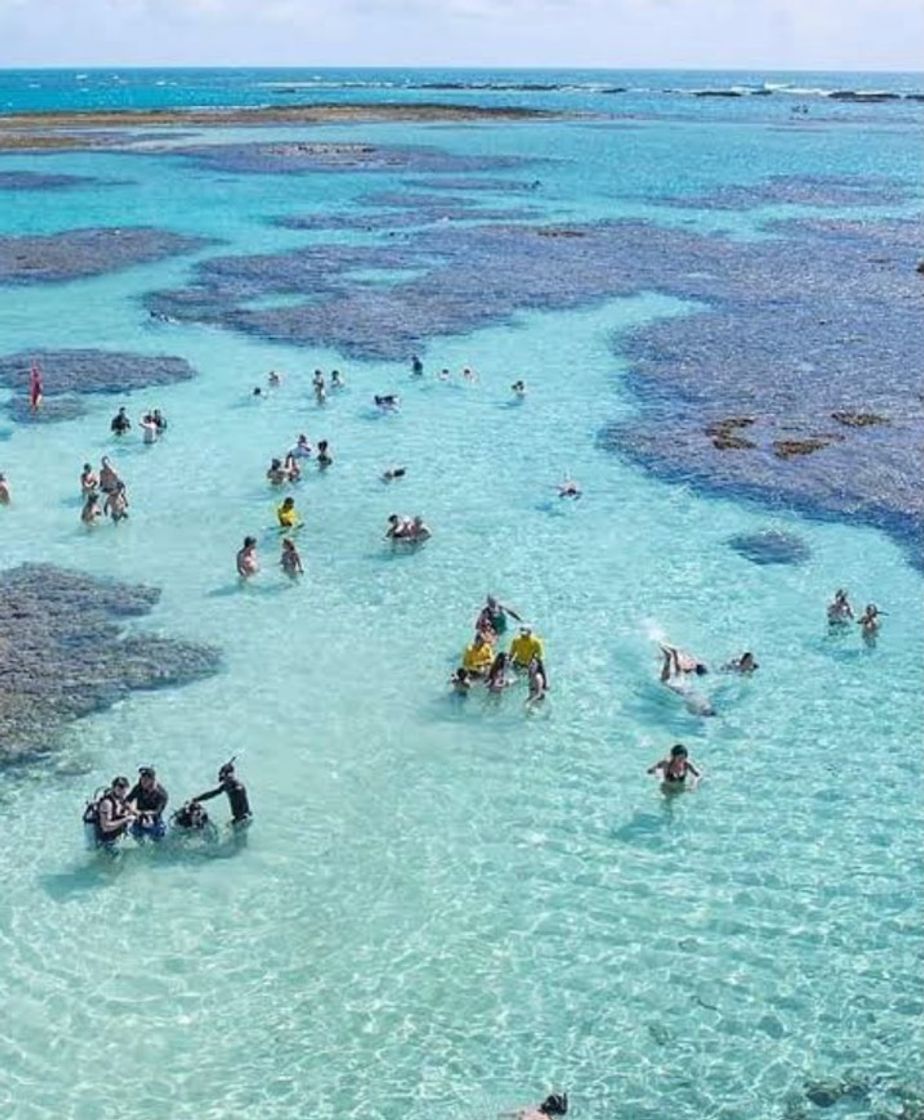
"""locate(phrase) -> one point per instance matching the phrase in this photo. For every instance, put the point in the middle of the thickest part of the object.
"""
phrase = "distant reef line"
(53, 129)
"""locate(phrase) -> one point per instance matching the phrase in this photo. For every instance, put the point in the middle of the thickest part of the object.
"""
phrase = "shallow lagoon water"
(447, 908)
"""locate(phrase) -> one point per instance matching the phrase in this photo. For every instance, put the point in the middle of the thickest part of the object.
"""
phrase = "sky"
(691, 34)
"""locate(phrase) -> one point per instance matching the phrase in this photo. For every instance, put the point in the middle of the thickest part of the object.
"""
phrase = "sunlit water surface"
(445, 907)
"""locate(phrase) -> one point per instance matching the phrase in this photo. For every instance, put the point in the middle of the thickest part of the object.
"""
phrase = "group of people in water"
(840, 617)
(103, 493)
(122, 809)
(484, 663)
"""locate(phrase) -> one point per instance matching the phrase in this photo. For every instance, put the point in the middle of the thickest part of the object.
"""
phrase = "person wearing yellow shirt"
(524, 647)
(288, 515)
(478, 656)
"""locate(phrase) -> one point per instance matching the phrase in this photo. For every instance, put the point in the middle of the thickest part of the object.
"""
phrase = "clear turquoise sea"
(447, 909)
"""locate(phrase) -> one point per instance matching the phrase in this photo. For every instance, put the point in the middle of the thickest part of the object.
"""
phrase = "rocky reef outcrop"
(64, 653)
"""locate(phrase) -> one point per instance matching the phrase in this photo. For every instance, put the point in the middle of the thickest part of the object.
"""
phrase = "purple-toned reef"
(814, 190)
(299, 158)
(39, 181)
(73, 254)
(67, 374)
(63, 653)
(403, 210)
(794, 379)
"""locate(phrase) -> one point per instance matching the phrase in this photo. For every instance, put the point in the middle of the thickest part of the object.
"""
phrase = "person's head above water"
(250, 542)
(226, 771)
(678, 750)
(556, 1104)
(288, 503)
(120, 783)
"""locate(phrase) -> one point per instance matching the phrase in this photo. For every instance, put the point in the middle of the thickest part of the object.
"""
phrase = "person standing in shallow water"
(5, 495)
(236, 793)
(247, 562)
(290, 561)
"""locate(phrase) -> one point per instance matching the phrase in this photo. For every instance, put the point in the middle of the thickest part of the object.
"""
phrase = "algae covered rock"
(63, 653)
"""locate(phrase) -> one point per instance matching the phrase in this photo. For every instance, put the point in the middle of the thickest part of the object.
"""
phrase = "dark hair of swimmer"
(556, 1104)
(120, 783)
(700, 669)
(258, 392)
(226, 771)
(678, 750)
(249, 542)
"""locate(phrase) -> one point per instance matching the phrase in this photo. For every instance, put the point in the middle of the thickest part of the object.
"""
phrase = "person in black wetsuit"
(120, 423)
(237, 795)
(149, 799)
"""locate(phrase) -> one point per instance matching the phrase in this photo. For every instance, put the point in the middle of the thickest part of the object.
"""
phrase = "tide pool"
(446, 908)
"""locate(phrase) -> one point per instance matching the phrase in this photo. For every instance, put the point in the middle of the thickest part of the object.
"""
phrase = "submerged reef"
(67, 373)
(761, 388)
(63, 654)
(73, 254)
(809, 190)
(771, 546)
(406, 210)
(38, 181)
(299, 158)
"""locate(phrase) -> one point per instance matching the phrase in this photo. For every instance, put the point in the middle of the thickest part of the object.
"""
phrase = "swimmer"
(676, 663)
(392, 473)
(468, 374)
(418, 531)
(569, 489)
(387, 403)
(5, 495)
(868, 623)
(840, 611)
(497, 679)
(320, 394)
(302, 448)
(336, 379)
(246, 561)
(538, 682)
(397, 527)
(477, 658)
(444, 374)
(290, 561)
(417, 369)
(108, 478)
(287, 515)
(493, 616)
(291, 467)
(745, 664)
(461, 684)
(257, 392)
(524, 647)
(150, 430)
(88, 480)
(317, 380)
(160, 420)
(116, 504)
(556, 1104)
(325, 459)
(273, 379)
(519, 389)
(674, 769)
(91, 509)
(276, 473)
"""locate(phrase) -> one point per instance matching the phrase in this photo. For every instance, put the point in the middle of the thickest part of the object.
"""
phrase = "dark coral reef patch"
(67, 374)
(63, 653)
(77, 253)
